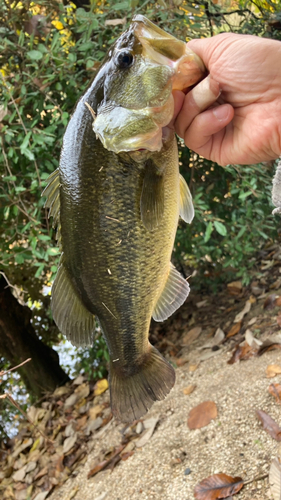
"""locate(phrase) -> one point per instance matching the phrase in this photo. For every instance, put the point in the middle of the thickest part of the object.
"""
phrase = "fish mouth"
(165, 49)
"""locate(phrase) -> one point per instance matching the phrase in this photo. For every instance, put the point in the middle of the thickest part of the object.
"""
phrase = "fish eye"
(124, 59)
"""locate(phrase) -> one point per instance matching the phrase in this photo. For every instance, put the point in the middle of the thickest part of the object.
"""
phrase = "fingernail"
(220, 112)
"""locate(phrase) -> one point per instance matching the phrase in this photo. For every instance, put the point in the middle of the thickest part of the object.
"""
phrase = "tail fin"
(133, 395)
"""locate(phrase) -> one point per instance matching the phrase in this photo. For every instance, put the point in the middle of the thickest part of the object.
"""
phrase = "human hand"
(243, 90)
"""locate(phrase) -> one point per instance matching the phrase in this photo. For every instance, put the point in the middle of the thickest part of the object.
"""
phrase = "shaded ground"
(174, 459)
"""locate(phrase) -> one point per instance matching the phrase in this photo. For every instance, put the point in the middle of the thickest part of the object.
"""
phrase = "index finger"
(197, 100)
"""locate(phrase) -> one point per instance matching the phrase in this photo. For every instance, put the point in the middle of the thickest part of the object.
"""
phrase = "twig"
(257, 478)
(2, 373)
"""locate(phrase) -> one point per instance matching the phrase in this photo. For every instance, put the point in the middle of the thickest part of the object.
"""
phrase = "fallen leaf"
(234, 329)
(235, 287)
(181, 361)
(112, 460)
(273, 370)
(241, 353)
(251, 340)
(95, 411)
(19, 475)
(274, 342)
(270, 302)
(210, 354)
(278, 320)
(201, 415)
(146, 437)
(193, 367)
(69, 443)
(278, 301)
(275, 390)
(269, 425)
(83, 390)
(244, 311)
(191, 335)
(115, 22)
(218, 486)
(275, 478)
(189, 389)
(100, 386)
(216, 340)
(252, 321)
(202, 303)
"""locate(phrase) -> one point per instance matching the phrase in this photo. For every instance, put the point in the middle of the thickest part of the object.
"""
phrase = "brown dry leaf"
(235, 287)
(189, 389)
(275, 478)
(100, 386)
(236, 327)
(191, 335)
(275, 390)
(149, 424)
(95, 411)
(115, 22)
(69, 443)
(269, 425)
(278, 319)
(181, 361)
(109, 462)
(244, 311)
(269, 344)
(201, 415)
(273, 370)
(193, 367)
(241, 353)
(270, 302)
(278, 301)
(218, 486)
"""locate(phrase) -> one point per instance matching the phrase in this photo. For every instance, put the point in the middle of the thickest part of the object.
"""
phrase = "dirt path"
(234, 443)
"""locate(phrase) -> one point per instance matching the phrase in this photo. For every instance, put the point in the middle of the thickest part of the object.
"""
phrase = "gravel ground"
(233, 443)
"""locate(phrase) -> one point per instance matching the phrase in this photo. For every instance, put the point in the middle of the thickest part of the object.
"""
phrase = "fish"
(116, 199)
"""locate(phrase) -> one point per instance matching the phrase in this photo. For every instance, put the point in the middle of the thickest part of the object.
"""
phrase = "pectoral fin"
(152, 197)
(186, 205)
(173, 295)
(69, 313)
(52, 191)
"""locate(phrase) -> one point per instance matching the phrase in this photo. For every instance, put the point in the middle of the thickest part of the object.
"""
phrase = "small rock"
(187, 471)
(139, 428)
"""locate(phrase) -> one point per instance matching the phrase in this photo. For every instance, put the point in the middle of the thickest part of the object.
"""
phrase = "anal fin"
(174, 294)
(69, 313)
(186, 205)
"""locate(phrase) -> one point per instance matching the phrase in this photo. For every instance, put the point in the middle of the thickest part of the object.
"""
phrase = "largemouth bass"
(116, 199)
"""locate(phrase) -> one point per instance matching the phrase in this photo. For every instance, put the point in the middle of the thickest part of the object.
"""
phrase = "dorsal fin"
(186, 205)
(52, 191)
(174, 294)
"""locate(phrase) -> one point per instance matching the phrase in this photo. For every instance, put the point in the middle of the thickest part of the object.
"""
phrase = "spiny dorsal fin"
(152, 197)
(186, 205)
(174, 294)
(52, 191)
(69, 313)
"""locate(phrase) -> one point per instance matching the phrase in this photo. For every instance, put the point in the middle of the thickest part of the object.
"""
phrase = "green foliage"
(232, 219)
